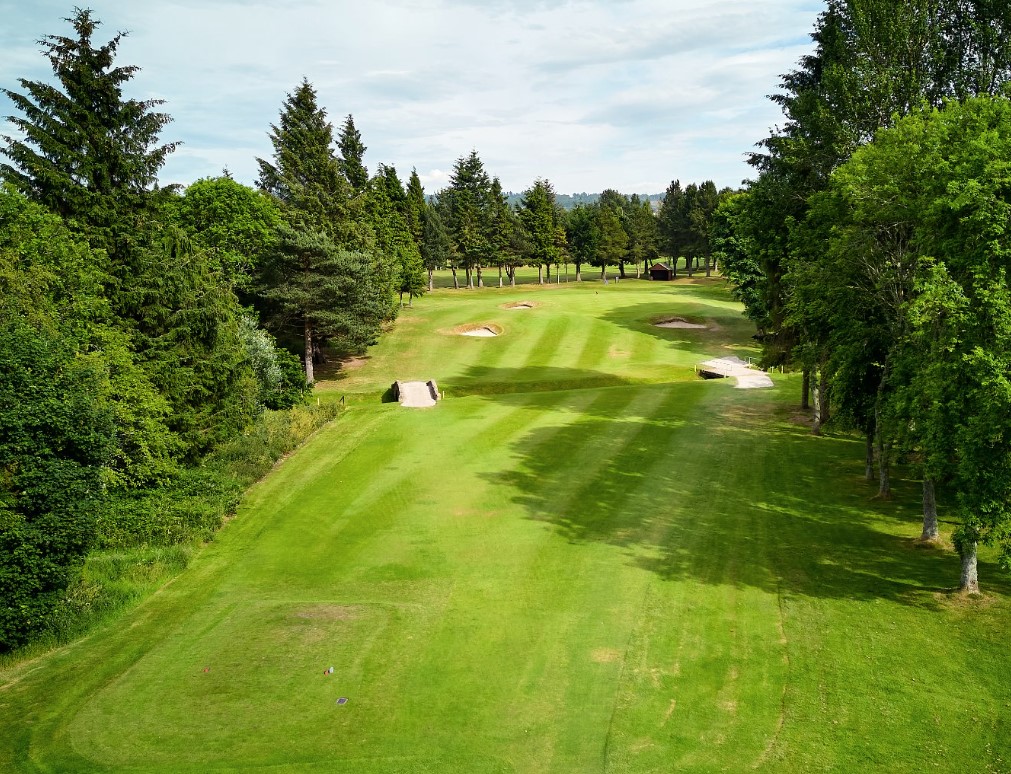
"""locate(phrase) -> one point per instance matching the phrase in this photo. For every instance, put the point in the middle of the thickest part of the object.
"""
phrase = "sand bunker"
(748, 378)
(483, 333)
(519, 305)
(678, 322)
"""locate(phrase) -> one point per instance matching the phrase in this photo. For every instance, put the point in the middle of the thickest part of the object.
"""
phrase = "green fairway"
(584, 559)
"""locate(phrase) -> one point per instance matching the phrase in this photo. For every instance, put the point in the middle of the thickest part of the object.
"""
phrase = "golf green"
(583, 559)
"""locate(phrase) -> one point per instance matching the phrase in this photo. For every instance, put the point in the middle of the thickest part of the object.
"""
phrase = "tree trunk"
(480, 279)
(709, 271)
(824, 402)
(540, 274)
(690, 266)
(621, 270)
(456, 280)
(674, 268)
(869, 458)
(816, 427)
(821, 404)
(470, 278)
(969, 583)
(884, 465)
(929, 510)
(579, 272)
(805, 388)
(548, 267)
(309, 376)
(500, 275)
(431, 280)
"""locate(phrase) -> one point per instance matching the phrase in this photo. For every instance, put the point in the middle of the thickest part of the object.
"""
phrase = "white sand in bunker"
(748, 378)
(519, 305)
(483, 333)
(678, 322)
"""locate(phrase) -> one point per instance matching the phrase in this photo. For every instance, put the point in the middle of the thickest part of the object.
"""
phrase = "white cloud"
(589, 94)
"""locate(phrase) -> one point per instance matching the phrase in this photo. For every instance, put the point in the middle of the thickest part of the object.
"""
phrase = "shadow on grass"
(727, 492)
(487, 380)
(732, 331)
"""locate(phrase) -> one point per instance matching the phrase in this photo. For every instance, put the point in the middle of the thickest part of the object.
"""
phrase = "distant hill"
(568, 201)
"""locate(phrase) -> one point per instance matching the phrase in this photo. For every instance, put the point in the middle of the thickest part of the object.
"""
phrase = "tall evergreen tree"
(324, 279)
(86, 152)
(537, 214)
(352, 154)
(465, 207)
(416, 205)
(436, 247)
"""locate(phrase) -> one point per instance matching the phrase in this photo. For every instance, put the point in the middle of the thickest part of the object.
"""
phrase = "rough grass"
(648, 576)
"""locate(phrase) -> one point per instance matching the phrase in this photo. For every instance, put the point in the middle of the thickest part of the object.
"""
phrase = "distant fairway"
(584, 559)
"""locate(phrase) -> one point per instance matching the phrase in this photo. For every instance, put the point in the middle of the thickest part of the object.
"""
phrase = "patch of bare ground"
(327, 613)
(520, 305)
(351, 363)
(959, 601)
(605, 655)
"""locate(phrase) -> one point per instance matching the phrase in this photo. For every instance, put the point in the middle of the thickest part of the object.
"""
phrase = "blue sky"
(590, 94)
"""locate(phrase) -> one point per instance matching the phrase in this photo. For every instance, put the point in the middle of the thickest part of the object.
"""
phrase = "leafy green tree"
(55, 439)
(583, 235)
(612, 241)
(641, 226)
(922, 219)
(278, 372)
(77, 415)
(236, 224)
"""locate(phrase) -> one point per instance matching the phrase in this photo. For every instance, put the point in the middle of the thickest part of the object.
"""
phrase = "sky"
(588, 94)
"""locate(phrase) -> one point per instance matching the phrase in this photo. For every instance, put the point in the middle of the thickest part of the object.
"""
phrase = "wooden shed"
(661, 271)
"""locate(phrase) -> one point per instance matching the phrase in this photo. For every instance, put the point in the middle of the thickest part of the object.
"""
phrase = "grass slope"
(615, 568)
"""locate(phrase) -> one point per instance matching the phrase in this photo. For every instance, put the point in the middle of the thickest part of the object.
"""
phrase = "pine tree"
(87, 153)
(352, 153)
(436, 247)
(537, 214)
(324, 279)
(466, 211)
(415, 205)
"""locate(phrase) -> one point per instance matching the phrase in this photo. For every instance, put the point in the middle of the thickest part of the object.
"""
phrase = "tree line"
(470, 226)
(871, 250)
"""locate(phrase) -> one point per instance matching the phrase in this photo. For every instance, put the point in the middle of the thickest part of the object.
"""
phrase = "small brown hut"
(661, 271)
